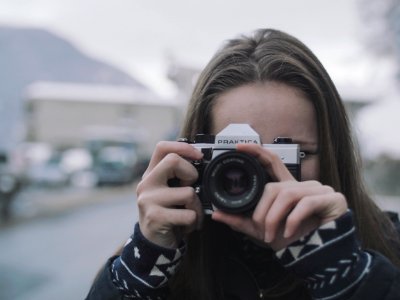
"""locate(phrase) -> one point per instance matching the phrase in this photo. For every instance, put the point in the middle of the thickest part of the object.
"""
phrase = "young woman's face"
(273, 110)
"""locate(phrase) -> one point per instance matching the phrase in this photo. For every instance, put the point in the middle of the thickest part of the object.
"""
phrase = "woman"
(299, 242)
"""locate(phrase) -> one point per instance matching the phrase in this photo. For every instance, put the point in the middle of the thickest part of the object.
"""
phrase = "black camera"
(234, 181)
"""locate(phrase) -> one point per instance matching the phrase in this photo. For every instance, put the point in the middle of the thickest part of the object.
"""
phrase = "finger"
(165, 147)
(191, 201)
(271, 190)
(184, 197)
(271, 161)
(182, 217)
(169, 197)
(285, 201)
(172, 166)
(326, 207)
(162, 220)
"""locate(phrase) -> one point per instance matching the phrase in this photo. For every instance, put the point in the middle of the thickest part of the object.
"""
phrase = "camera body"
(234, 181)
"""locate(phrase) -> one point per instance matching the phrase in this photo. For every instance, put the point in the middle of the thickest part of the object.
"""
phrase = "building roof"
(79, 92)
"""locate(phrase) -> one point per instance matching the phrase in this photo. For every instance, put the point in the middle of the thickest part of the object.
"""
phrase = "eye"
(304, 154)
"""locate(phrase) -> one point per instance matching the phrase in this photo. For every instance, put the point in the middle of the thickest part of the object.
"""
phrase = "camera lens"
(234, 182)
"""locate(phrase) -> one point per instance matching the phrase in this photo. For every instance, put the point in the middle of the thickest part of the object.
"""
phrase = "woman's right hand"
(166, 213)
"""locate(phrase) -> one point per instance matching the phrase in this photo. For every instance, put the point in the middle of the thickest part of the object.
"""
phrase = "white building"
(64, 115)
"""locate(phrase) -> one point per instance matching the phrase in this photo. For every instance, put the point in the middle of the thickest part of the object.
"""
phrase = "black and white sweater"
(329, 259)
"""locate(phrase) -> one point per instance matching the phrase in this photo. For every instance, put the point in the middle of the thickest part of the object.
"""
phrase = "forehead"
(272, 109)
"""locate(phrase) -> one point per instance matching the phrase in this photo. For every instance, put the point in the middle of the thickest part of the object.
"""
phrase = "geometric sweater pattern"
(329, 258)
(144, 268)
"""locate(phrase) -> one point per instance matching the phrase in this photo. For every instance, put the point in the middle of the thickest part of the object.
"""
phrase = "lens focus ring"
(234, 182)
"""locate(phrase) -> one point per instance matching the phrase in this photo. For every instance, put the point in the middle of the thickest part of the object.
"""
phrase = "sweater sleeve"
(143, 269)
(103, 287)
(334, 266)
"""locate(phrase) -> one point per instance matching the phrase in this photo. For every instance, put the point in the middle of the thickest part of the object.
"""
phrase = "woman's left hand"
(288, 209)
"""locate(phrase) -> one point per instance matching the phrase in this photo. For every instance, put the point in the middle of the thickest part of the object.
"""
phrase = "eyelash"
(306, 154)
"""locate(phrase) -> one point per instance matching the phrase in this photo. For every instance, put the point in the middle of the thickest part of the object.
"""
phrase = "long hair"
(271, 55)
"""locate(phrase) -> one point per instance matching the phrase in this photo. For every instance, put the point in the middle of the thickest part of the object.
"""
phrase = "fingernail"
(267, 238)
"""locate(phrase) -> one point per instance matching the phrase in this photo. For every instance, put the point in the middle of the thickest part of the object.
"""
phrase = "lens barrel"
(234, 182)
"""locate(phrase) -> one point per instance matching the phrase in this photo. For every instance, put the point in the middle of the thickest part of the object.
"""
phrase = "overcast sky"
(137, 35)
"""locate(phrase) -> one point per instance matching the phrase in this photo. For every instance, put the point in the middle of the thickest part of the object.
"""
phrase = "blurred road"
(57, 256)
(61, 238)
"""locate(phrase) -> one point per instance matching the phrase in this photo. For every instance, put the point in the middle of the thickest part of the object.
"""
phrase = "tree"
(381, 30)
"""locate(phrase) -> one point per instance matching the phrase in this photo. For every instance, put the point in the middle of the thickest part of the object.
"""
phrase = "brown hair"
(271, 55)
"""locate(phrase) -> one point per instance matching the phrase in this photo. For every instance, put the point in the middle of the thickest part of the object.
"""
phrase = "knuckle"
(152, 213)
(271, 188)
(288, 193)
(328, 189)
(310, 201)
(341, 197)
(141, 202)
(144, 186)
(269, 222)
(146, 200)
(172, 159)
(146, 171)
(161, 145)
(257, 219)
(254, 218)
(314, 182)
(140, 187)
(192, 173)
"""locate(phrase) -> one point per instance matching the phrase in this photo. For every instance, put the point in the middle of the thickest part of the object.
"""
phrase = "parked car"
(47, 173)
(115, 165)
